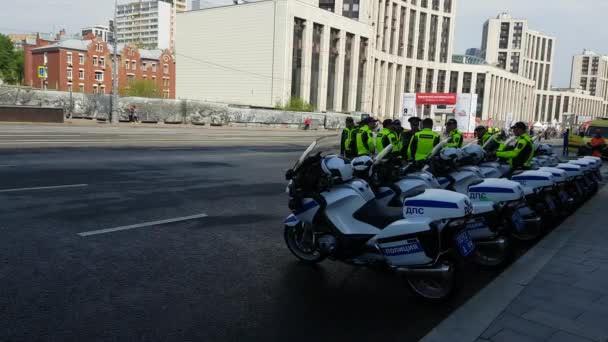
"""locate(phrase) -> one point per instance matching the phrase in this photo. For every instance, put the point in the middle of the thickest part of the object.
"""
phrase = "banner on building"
(465, 112)
(436, 99)
(409, 107)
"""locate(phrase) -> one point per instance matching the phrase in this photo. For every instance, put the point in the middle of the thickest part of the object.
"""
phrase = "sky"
(575, 23)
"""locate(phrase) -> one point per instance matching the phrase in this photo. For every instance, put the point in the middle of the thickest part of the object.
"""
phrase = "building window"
(441, 78)
(99, 76)
(144, 66)
(95, 91)
(447, 6)
(518, 29)
(81, 59)
(436, 5)
(351, 9)
(445, 40)
(433, 38)
(515, 58)
(467, 78)
(547, 73)
(430, 73)
(328, 5)
(348, 56)
(393, 30)
(70, 73)
(543, 47)
(69, 58)
(558, 107)
(102, 62)
(133, 65)
(418, 80)
(130, 78)
(480, 91)
(361, 73)
(421, 35)
(549, 50)
(411, 34)
(502, 60)
(334, 43)
(408, 79)
(95, 61)
(504, 36)
(153, 67)
(81, 74)
(81, 88)
(166, 69)
(296, 57)
(453, 81)
(400, 43)
(103, 89)
(315, 64)
(127, 65)
(424, 3)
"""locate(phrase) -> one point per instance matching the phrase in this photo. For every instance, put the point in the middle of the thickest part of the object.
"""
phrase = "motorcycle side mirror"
(289, 174)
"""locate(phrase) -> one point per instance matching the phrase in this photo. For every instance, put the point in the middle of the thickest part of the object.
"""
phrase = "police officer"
(346, 145)
(364, 138)
(398, 129)
(482, 135)
(520, 157)
(453, 132)
(424, 141)
(407, 136)
(386, 136)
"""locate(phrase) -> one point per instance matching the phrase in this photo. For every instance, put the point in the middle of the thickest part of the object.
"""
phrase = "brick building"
(85, 66)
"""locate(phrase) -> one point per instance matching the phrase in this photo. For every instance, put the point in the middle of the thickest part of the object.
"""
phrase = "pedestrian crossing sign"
(41, 72)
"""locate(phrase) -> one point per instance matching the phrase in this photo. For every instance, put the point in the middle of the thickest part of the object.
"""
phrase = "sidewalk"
(558, 291)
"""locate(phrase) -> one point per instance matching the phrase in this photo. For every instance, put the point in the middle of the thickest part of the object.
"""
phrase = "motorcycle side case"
(409, 242)
(558, 174)
(572, 170)
(597, 162)
(436, 204)
(345, 199)
(585, 165)
(534, 179)
(490, 172)
(496, 190)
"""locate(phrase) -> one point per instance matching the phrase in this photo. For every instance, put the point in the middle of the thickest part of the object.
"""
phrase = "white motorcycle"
(336, 216)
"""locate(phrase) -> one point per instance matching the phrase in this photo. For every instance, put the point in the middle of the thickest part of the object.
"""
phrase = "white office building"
(347, 56)
(590, 73)
(509, 44)
(146, 23)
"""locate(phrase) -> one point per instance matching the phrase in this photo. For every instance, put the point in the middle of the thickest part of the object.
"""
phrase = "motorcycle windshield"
(326, 145)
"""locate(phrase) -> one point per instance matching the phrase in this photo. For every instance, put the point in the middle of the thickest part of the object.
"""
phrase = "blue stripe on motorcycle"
(291, 218)
(306, 207)
(385, 194)
(492, 190)
(530, 178)
(431, 204)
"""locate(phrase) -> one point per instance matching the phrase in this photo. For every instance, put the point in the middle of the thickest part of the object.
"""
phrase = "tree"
(141, 88)
(7, 60)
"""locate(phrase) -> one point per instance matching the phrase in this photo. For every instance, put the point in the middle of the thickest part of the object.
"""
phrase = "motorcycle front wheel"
(301, 243)
(433, 288)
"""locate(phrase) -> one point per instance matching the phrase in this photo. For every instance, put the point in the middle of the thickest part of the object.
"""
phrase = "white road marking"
(46, 187)
(142, 225)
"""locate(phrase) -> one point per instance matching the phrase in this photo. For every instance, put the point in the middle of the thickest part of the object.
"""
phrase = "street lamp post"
(114, 114)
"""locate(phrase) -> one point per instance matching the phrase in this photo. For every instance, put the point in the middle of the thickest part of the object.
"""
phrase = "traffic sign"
(41, 72)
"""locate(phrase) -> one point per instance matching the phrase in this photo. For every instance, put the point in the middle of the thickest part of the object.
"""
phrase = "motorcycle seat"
(375, 215)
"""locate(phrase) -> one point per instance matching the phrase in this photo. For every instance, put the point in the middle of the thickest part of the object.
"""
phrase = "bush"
(296, 104)
(141, 88)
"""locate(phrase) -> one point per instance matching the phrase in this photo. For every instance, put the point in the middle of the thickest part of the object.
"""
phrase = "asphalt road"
(226, 276)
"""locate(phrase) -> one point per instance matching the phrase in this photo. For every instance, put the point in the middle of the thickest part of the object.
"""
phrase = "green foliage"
(296, 104)
(11, 62)
(141, 88)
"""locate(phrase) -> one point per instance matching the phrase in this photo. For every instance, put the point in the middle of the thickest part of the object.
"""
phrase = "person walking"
(346, 146)
(424, 141)
(597, 144)
(566, 136)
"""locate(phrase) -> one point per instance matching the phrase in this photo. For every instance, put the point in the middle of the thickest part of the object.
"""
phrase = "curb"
(470, 320)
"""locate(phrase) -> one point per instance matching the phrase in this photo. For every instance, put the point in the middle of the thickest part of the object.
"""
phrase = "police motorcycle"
(506, 211)
(393, 184)
(336, 216)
